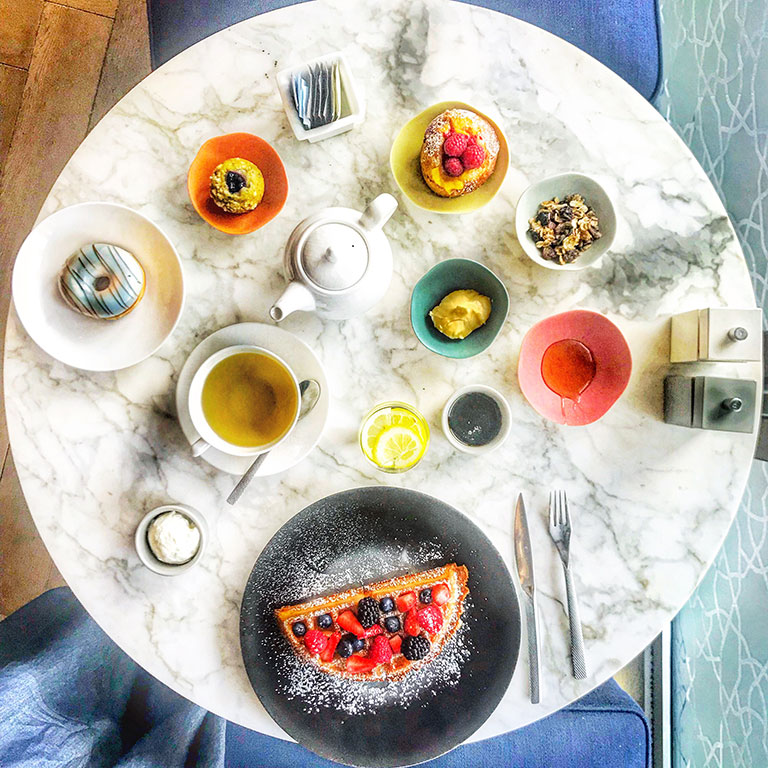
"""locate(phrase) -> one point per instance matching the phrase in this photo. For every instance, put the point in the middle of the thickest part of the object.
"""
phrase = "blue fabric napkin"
(70, 698)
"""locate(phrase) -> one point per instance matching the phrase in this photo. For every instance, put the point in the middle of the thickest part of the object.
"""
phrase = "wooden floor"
(63, 65)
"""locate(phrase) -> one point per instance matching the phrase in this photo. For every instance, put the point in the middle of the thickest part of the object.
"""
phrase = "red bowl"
(261, 154)
(611, 355)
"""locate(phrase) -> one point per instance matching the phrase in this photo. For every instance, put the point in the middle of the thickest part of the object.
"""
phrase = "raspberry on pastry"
(459, 153)
(455, 144)
(472, 157)
(453, 166)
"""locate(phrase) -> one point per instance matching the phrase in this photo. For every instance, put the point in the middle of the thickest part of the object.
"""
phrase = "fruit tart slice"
(379, 631)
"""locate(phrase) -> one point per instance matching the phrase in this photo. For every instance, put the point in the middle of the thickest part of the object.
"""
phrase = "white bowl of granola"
(565, 222)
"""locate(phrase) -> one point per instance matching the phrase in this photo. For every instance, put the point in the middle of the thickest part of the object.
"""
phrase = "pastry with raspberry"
(459, 153)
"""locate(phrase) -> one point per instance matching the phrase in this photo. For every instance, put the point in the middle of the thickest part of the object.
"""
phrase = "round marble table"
(651, 503)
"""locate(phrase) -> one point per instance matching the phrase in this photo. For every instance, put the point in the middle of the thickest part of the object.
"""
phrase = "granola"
(564, 230)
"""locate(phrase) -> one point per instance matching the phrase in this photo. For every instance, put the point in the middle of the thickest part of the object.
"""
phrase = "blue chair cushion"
(623, 34)
(604, 728)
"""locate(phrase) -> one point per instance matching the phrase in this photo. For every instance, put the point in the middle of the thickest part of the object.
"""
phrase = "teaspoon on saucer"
(310, 394)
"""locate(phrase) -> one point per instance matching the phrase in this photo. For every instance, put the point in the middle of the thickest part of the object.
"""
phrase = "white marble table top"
(651, 503)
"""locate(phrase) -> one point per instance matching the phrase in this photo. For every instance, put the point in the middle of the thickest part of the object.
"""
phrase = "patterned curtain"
(715, 95)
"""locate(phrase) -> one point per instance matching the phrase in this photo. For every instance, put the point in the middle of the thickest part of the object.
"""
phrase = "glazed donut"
(102, 280)
(453, 173)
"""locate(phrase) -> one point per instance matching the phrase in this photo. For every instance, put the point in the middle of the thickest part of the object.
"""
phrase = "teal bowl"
(444, 278)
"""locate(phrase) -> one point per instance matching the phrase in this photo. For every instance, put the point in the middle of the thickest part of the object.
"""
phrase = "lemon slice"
(400, 418)
(398, 447)
(383, 421)
(374, 428)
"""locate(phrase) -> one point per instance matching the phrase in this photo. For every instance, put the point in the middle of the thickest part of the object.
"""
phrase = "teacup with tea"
(243, 400)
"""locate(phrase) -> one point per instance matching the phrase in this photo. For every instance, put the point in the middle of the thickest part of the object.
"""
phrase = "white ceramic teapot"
(339, 262)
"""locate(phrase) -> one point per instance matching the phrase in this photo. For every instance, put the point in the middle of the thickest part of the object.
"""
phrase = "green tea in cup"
(250, 399)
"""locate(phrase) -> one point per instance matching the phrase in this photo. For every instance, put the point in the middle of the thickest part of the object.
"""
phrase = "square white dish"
(352, 106)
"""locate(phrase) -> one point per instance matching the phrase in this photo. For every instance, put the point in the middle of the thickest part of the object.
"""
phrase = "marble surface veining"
(650, 503)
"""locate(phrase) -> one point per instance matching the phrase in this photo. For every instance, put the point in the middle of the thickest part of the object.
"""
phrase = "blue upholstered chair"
(623, 34)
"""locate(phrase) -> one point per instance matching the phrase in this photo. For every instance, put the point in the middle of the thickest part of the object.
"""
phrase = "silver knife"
(524, 559)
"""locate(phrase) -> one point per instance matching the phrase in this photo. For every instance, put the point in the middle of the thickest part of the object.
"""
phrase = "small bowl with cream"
(452, 293)
(171, 539)
(476, 419)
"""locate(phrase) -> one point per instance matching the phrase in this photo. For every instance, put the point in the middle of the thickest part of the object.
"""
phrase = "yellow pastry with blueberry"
(459, 152)
(237, 185)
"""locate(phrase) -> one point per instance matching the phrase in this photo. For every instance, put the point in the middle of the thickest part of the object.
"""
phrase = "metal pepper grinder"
(708, 402)
(716, 335)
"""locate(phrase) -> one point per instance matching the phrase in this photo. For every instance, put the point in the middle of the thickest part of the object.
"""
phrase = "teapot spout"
(295, 297)
(378, 212)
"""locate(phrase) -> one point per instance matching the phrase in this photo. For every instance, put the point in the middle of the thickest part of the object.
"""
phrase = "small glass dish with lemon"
(394, 436)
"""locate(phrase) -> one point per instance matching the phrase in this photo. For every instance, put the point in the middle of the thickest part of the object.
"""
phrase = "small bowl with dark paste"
(476, 419)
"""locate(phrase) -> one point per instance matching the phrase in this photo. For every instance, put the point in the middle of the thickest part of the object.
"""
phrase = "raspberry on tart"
(453, 166)
(315, 641)
(459, 152)
(413, 631)
(381, 650)
(473, 157)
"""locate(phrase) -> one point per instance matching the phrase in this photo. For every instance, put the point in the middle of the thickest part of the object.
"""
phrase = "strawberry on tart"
(459, 152)
(379, 631)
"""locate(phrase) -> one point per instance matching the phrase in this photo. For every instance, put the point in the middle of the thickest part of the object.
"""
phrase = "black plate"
(359, 536)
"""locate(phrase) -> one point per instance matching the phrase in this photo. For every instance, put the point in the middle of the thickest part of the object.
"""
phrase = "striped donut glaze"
(102, 280)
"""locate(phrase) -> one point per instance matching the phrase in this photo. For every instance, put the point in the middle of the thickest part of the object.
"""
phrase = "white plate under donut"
(85, 342)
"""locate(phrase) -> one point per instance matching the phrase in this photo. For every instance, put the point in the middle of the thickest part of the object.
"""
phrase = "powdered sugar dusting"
(313, 689)
(317, 569)
(311, 563)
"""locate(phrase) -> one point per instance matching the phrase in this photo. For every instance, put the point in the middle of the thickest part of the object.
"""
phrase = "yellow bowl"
(406, 168)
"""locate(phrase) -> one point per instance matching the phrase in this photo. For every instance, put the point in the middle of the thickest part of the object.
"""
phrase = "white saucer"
(85, 342)
(304, 364)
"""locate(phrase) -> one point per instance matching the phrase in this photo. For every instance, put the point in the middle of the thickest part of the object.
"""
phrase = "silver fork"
(560, 531)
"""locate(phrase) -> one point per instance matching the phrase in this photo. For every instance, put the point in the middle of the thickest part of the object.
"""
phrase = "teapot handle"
(378, 212)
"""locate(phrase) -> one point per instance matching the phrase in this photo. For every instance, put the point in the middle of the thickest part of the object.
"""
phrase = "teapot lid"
(334, 256)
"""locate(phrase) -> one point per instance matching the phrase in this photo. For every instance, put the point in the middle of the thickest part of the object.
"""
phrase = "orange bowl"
(261, 154)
